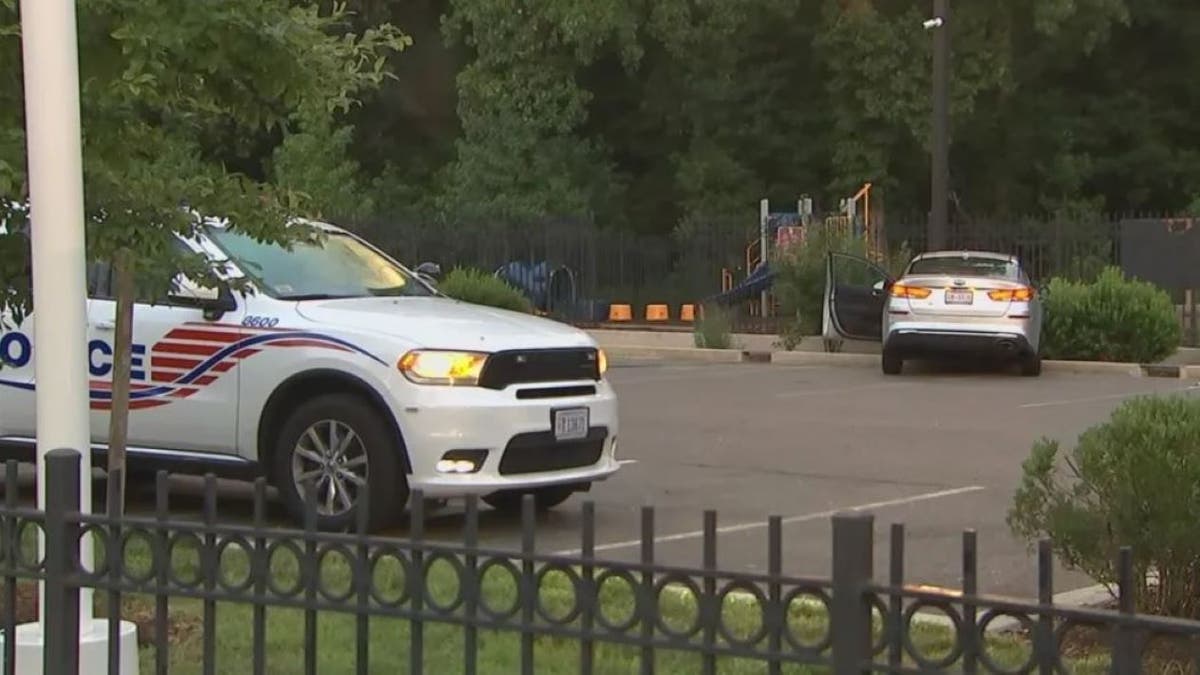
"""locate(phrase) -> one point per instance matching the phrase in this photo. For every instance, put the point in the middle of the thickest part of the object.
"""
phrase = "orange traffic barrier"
(620, 313)
(657, 313)
(687, 313)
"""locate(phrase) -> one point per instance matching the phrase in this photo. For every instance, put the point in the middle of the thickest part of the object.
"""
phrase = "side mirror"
(215, 302)
(224, 302)
(882, 286)
(431, 272)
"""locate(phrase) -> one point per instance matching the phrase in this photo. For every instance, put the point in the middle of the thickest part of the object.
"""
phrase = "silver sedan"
(945, 303)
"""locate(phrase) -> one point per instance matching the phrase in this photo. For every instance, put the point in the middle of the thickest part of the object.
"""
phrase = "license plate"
(571, 424)
(960, 297)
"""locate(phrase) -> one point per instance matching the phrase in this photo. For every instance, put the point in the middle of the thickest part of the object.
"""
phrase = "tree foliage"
(656, 114)
(646, 114)
(192, 110)
(183, 104)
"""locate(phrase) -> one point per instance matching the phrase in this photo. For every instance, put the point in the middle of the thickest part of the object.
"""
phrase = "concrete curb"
(623, 353)
(823, 359)
(1095, 368)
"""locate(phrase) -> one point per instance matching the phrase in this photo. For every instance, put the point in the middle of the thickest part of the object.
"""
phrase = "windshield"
(966, 267)
(338, 267)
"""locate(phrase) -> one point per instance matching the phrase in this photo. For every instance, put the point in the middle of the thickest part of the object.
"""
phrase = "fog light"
(461, 461)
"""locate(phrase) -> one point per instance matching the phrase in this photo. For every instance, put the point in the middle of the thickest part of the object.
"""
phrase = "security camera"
(930, 24)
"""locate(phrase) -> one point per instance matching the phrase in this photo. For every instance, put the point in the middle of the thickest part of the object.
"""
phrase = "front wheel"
(336, 445)
(544, 499)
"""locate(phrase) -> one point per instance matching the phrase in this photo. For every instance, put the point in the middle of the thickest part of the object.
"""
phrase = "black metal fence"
(574, 270)
(854, 622)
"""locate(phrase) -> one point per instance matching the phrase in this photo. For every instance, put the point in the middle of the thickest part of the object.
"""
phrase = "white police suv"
(342, 369)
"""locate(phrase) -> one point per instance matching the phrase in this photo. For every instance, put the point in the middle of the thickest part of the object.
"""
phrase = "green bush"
(1109, 319)
(1135, 483)
(713, 328)
(800, 278)
(480, 288)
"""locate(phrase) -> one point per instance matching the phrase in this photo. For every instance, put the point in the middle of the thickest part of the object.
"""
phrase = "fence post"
(850, 613)
(61, 640)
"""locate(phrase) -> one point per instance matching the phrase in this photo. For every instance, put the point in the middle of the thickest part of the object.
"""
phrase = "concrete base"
(93, 649)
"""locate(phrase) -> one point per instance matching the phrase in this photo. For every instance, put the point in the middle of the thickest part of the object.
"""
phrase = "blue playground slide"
(548, 289)
(759, 281)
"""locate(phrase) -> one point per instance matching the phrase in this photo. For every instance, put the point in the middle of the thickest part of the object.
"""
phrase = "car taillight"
(1011, 294)
(913, 292)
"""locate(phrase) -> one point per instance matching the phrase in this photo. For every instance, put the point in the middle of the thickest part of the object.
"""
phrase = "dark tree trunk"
(123, 278)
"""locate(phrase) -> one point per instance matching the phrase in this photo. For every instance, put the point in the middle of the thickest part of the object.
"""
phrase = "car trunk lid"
(955, 296)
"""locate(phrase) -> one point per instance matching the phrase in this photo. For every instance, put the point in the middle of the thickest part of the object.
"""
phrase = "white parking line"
(744, 527)
(1107, 397)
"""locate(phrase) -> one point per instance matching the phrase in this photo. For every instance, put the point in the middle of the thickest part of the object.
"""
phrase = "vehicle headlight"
(443, 367)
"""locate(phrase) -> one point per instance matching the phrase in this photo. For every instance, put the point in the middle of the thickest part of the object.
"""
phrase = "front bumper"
(515, 433)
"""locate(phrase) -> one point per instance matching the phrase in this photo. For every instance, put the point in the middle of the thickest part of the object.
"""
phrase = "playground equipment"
(787, 230)
(550, 291)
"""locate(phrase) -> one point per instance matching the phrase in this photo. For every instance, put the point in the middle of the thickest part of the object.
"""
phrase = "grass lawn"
(498, 651)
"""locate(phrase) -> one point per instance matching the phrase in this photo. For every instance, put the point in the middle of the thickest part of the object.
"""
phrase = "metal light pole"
(55, 159)
(940, 176)
(53, 140)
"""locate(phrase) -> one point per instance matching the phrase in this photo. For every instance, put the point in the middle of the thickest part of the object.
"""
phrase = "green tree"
(520, 155)
(172, 96)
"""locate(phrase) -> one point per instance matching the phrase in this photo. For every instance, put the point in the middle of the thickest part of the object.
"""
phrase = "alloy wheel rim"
(331, 458)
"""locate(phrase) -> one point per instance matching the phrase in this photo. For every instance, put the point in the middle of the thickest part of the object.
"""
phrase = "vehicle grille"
(542, 365)
(537, 452)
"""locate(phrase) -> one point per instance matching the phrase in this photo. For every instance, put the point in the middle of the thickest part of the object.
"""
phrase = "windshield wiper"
(405, 291)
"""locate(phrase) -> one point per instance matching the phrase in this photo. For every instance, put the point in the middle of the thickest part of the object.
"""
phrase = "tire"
(1031, 365)
(544, 499)
(891, 362)
(373, 440)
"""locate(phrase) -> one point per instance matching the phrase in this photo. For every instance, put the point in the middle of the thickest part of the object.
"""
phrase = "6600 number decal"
(260, 321)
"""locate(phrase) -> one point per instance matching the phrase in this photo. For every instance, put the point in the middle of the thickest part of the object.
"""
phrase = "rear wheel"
(891, 362)
(1031, 365)
(335, 445)
(544, 499)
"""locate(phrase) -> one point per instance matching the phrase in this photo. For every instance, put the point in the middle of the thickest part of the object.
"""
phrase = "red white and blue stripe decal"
(194, 355)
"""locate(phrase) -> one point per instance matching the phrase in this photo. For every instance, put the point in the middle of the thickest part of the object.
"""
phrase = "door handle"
(105, 325)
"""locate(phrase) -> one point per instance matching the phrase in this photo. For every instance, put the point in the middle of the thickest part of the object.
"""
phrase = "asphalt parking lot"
(939, 451)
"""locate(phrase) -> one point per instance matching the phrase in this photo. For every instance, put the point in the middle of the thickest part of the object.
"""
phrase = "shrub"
(480, 288)
(713, 328)
(1109, 319)
(1135, 484)
(800, 280)
(791, 335)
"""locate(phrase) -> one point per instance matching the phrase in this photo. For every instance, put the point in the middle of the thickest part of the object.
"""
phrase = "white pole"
(53, 136)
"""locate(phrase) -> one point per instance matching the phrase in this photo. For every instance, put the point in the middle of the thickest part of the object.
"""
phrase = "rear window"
(966, 267)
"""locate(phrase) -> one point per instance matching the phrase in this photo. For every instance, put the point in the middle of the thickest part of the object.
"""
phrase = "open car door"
(856, 293)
